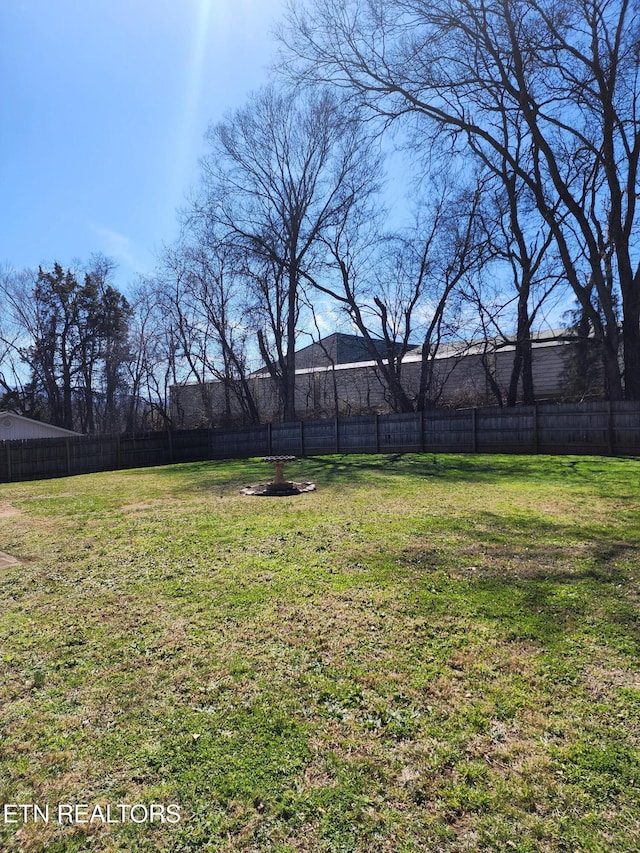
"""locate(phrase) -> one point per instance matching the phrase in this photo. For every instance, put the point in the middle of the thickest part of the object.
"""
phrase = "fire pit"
(278, 487)
(279, 484)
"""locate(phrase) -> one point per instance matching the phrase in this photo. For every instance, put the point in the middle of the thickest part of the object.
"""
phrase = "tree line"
(520, 125)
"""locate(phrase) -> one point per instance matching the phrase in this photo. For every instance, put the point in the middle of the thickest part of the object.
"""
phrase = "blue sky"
(103, 108)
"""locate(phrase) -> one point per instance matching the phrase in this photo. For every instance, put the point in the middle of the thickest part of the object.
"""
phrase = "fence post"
(118, 454)
(301, 438)
(269, 440)
(337, 425)
(536, 439)
(474, 428)
(68, 452)
(610, 430)
(420, 416)
(377, 433)
(7, 444)
(170, 446)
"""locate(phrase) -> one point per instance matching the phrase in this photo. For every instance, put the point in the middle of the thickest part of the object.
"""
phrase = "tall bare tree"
(16, 317)
(398, 289)
(549, 87)
(153, 365)
(519, 284)
(203, 289)
(279, 173)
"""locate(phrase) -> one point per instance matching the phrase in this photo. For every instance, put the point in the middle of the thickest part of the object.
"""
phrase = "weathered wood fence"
(582, 428)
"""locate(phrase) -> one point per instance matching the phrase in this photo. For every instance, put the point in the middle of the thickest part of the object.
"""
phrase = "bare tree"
(550, 88)
(152, 368)
(203, 289)
(279, 173)
(518, 284)
(399, 287)
(16, 318)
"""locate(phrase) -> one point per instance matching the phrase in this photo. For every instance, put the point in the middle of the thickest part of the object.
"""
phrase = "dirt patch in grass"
(604, 683)
(7, 510)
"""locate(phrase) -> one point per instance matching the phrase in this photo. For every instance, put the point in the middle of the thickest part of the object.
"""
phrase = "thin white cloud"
(117, 246)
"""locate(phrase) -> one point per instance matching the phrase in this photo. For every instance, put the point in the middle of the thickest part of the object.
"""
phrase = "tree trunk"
(289, 413)
(631, 338)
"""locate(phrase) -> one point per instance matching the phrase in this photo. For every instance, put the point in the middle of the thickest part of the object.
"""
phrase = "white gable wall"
(14, 426)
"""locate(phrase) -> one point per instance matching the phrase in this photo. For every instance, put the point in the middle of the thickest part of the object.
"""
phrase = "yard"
(425, 654)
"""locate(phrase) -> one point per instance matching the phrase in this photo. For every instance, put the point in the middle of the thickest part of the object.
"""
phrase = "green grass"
(425, 654)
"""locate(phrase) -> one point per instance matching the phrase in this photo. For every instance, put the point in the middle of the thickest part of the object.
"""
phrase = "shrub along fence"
(582, 428)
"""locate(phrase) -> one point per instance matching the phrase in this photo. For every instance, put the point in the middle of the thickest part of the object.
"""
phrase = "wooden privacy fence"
(581, 428)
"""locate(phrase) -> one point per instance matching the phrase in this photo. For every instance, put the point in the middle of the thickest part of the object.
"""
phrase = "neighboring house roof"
(346, 352)
(14, 426)
(549, 337)
(454, 349)
(338, 348)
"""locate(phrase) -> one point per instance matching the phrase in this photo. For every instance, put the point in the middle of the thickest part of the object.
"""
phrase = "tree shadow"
(361, 470)
(458, 467)
(541, 580)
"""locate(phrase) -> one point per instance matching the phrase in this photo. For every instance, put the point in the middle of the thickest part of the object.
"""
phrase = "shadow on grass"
(553, 608)
(470, 467)
(214, 475)
(554, 581)
(362, 469)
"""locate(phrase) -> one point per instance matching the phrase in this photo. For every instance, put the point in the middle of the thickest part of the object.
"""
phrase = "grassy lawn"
(426, 654)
